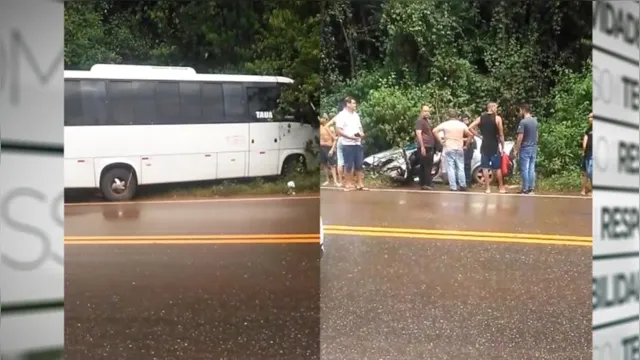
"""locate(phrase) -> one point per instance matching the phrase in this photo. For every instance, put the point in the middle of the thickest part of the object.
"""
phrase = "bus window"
(73, 115)
(263, 102)
(212, 104)
(168, 103)
(234, 104)
(120, 103)
(144, 102)
(191, 103)
(94, 102)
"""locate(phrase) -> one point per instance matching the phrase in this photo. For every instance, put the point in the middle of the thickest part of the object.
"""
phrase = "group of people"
(341, 151)
(457, 142)
(342, 143)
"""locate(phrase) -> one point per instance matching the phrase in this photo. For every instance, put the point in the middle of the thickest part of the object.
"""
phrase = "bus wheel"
(118, 184)
(293, 164)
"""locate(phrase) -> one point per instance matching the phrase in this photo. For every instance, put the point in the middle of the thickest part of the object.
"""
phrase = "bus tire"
(117, 175)
(291, 164)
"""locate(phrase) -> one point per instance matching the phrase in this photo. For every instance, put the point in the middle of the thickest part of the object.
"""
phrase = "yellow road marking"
(459, 233)
(458, 237)
(195, 239)
(193, 242)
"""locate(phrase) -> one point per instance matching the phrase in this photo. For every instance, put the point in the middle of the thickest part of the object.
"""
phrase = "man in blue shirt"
(527, 148)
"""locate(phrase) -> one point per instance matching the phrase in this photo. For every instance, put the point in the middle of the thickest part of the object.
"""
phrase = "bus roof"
(160, 73)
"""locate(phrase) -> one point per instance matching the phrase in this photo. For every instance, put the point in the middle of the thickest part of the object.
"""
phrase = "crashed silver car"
(395, 162)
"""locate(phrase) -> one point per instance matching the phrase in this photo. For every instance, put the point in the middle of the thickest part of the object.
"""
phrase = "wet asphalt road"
(232, 216)
(192, 301)
(382, 297)
(410, 298)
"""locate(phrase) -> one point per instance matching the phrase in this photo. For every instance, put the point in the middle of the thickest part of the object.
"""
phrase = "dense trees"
(275, 38)
(395, 54)
(392, 54)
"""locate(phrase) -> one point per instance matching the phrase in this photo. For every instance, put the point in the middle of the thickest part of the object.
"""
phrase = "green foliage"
(561, 133)
(84, 39)
(290, 46)
(391, 55)
(395, 55)
(210, 36)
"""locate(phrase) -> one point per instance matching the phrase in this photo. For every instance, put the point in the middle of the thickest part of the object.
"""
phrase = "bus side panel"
(294, 139)
(164, 153)
(78, 164)
(232, 147)
(263, 149)
(158, 169)
(78, 173)
(232, 165)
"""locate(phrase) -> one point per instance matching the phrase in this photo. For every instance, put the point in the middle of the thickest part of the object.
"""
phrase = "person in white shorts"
(339, 148)
(340, 158)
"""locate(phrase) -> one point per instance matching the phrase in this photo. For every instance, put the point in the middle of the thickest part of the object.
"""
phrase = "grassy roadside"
(307, 183)
(561, 184)
(304, 184)
(565, 183)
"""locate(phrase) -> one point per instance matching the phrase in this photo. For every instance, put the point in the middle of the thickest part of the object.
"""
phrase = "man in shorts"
(339, 150)
(327, 150)
(339, 159)
(492, 147)
(349, 128)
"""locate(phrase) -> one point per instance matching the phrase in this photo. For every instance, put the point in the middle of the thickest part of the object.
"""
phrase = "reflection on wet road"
(201, 286)
(224, 217)
(455, 276)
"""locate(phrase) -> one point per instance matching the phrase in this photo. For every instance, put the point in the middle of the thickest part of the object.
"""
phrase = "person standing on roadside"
(587, 157)
(339, 149)
(426, 144)
(492, 147)
(327, 150)
(526, 148)
(349, 128)
(469, 149)
(453, 149)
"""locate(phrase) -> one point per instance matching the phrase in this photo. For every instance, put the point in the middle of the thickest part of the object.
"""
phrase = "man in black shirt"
(426, 143)
(492, 147)
(587, 157)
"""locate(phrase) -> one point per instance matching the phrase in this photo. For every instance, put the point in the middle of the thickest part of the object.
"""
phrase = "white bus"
(129, 125)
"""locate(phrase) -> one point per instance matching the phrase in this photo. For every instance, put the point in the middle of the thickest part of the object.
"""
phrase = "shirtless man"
(492, 147)
(327, 150)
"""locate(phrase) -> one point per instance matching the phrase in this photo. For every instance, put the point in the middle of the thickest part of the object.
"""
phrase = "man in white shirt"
(453, 149)
(349, 128)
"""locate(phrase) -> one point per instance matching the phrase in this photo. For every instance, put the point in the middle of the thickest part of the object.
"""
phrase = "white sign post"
(616, 199)
(31, 179)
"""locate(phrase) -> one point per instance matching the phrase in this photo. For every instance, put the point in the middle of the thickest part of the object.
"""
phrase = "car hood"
(377, 157)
